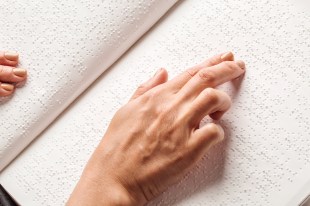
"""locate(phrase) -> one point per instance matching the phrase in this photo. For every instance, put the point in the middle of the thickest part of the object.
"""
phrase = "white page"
(65, 45)
(265, 158)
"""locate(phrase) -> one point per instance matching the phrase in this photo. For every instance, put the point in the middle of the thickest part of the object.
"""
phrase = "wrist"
(90, 192)
(98, 188)
(112, 194)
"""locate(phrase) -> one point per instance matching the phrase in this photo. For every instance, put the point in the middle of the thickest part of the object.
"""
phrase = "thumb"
(160, 77)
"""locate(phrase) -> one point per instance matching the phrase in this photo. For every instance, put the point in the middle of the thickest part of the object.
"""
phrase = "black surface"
(6, 199)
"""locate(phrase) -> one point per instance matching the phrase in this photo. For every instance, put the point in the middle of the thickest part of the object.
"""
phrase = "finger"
(179, 81)
(212, 77)
(228, 56)
(209, 101)
(204, 138)
(217, 115)
(11, 74)
(8, 58)
(160, 77)
(6, 89)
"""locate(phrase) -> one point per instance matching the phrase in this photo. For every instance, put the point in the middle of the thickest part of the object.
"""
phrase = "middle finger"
(212, 77)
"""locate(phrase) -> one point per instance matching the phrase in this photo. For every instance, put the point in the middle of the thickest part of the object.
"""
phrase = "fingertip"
(160, 77)
(207, 136)
(6, 89)
(228, 56)
(6, 62)
(241, 64)
(215, 132)
(12, 74)
(217, 59)
(164, 74)
(221, 133)
(20, 72)
(9, 58)
(11, 55)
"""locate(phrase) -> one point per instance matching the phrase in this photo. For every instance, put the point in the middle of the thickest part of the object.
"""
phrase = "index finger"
(180, 80)
(212, 77)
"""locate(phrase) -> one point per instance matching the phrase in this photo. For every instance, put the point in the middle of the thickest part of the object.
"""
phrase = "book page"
(65, 45)
(264, 159)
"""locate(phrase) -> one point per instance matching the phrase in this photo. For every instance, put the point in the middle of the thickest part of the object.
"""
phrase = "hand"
(10, 75)
(155, 138)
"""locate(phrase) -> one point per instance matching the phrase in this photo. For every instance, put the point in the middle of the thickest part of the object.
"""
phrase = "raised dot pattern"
(65, 46)
(266, 154)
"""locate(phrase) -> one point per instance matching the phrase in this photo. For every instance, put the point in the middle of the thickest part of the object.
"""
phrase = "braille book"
(85, 59)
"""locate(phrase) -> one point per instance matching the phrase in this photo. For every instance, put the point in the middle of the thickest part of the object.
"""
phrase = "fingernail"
(241, 64)
(158, 72)
(11, 55)
(7, 87)
(20, 72)
(229, 56)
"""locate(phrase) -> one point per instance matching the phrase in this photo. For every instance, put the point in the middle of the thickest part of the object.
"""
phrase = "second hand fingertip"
(7, 87)
(11, 55)
(20, 72)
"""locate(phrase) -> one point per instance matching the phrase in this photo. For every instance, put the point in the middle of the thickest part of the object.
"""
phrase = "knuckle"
(181, 156)
(191, 71)
(144, 93)
(141, 87)
(207, 76)
(152, 94)
(168, 114)
(211, 61)
(121, 111)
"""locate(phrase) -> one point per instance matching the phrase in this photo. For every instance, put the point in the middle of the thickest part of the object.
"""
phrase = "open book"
(52, 124)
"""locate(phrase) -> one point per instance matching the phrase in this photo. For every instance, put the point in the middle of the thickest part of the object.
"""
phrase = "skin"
(10, 75)
(155, 138)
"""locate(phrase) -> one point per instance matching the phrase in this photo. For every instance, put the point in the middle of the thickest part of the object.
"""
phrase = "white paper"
(265, 158)
(65, 45)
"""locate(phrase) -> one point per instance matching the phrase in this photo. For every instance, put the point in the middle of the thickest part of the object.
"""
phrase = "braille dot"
(267, 129)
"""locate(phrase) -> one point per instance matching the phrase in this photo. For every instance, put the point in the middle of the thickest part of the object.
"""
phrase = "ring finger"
(209, 101)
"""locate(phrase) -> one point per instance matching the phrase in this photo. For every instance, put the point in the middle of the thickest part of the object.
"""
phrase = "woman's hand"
(155, 138)
(10, 75)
